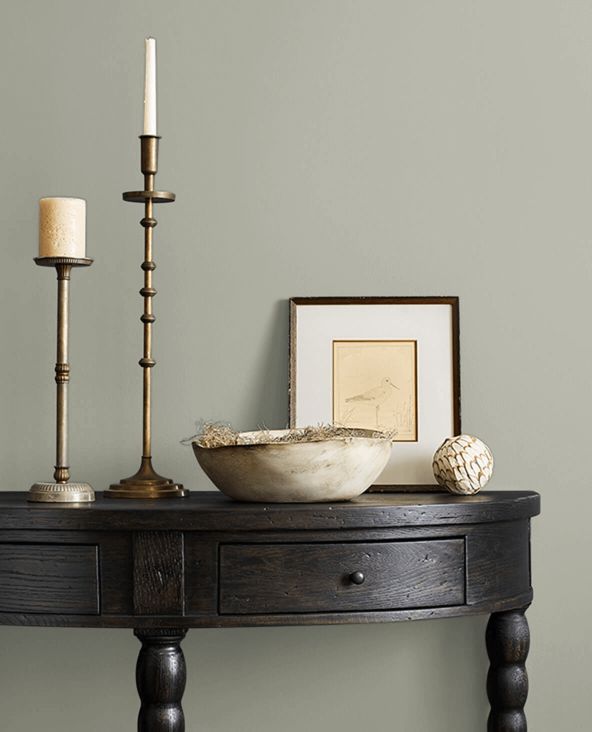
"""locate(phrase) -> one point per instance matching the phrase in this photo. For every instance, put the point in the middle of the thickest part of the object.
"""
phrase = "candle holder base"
(146, 483)
(61, 493)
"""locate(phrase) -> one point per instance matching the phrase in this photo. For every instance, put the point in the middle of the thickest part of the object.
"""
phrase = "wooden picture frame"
(378, 379)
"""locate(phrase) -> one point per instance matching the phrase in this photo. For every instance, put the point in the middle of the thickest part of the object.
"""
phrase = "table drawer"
(49, 578)
(348, 577)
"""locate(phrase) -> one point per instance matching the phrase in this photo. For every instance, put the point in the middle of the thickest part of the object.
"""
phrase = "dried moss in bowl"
(220, 434)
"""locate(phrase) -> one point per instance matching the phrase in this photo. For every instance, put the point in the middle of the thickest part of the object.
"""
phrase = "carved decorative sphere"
(463, 464)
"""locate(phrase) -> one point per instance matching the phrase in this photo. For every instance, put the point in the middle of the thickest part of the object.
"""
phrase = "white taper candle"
(150, 88)
(62, 227)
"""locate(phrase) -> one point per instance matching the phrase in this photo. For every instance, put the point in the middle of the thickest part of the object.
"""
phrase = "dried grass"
(213, 434)
(220, 434)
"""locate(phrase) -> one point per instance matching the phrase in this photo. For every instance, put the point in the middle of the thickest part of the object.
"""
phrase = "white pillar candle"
(150, 88)
(62, 227)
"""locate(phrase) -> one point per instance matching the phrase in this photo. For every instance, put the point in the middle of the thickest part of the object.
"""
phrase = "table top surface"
(210, 510)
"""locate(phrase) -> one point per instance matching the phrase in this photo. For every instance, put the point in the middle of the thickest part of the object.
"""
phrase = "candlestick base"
(61, 493)
(146, 483)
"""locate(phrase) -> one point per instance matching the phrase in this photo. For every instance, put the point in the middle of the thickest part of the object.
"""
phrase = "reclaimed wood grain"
(158, 573)
(43, 578)
(289, 578)
(498, 560)
(508, 642)
(160, 679)
(205, 561)
(211, 511)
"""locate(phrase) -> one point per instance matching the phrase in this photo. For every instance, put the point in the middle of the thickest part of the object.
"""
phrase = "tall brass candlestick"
(62, 490)
(147, 483)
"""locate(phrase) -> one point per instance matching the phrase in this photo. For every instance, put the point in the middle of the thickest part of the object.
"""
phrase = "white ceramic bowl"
(335, 469)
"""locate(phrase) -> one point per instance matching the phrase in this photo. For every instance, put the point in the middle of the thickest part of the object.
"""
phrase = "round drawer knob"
(357, 578)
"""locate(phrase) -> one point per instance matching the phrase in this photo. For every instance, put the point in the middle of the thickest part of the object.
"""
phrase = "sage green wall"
(317, 147)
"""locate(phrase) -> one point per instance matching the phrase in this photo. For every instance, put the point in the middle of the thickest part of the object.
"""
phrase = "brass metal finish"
(147, 483)
(143, 196)
(149, 156)
(55, 261)
(62, 491)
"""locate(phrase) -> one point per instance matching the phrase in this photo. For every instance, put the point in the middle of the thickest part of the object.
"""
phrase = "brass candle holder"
(147, 483)
(62, 490)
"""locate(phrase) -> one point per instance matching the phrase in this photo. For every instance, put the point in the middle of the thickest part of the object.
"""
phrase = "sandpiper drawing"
(376, 396)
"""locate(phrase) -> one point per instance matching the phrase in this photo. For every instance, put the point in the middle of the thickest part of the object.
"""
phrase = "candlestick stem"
(62, 375)
(147, 319)
(147, 483)
(62, 491)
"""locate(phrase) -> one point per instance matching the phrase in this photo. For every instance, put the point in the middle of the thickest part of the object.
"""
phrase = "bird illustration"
(377, 396)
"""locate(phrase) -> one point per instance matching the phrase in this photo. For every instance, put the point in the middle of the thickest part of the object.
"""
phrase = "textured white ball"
(463, 464)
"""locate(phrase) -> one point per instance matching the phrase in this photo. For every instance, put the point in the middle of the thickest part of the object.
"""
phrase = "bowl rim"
(353, 434)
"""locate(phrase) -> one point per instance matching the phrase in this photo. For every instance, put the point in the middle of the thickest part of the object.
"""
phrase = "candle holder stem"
(147, 319)
(62, 491)
(147, 483)
(62, 375)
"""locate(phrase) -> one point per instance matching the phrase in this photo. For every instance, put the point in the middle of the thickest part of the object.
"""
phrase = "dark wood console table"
(162, 567)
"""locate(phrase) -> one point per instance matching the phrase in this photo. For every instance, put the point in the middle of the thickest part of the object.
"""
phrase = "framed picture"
(389, 364)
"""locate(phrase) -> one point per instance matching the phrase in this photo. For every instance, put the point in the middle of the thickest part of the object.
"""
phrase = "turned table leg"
(508, 641)
(160, 678)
